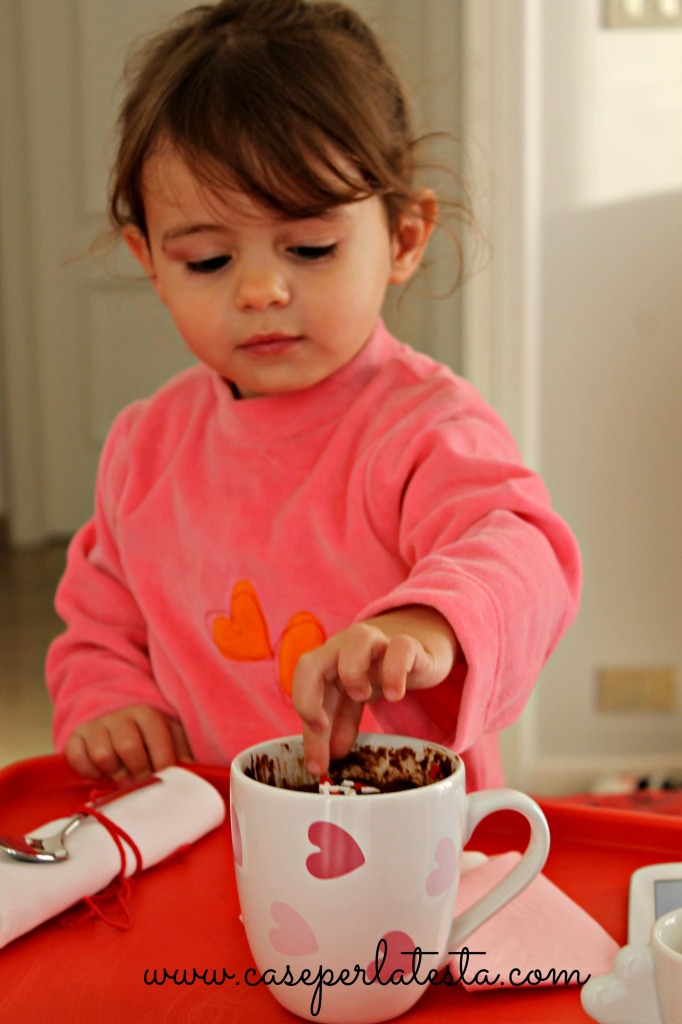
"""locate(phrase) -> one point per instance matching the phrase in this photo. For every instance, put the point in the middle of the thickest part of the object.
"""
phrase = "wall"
(611, 368)
(423, 42)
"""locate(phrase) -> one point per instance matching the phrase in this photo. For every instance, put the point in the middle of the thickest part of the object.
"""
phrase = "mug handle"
(479, 806)
(627, 992)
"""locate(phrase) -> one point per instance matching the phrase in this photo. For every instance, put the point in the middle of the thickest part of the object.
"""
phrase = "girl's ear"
(139, 247)
(412, 234)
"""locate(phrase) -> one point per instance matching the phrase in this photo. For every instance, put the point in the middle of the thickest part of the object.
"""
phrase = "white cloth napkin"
(159, 819)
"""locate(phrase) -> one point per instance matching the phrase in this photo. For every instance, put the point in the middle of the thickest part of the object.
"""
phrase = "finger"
(345, 726)
(321, 747)
(99, 750)
(316, 740)
(156, 749)
(400, 661)
(76, 753)
(360, 654)
(317, 698)
(130, 744)
(183, 751)
(314, 672)
(315, 751)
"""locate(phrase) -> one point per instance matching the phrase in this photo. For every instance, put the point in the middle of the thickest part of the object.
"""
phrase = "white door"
(83, 335)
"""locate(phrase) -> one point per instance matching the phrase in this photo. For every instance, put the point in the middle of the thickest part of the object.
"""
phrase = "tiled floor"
(27, 624)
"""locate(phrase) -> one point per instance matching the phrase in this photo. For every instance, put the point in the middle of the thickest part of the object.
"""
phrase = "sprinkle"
(345, 788)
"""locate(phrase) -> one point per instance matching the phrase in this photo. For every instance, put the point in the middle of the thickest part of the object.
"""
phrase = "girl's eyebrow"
(335, 214)
(189, 229)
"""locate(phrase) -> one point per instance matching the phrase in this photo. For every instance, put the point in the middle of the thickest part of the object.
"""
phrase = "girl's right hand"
(129, 743)
(411, 648)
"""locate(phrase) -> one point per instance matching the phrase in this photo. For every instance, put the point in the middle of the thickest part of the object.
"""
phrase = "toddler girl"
(315, 527)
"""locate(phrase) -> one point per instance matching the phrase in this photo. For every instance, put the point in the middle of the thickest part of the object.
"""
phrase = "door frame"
(20, 424)
(502, 307)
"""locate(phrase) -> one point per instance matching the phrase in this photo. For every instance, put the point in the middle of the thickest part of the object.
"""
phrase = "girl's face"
(271, 304)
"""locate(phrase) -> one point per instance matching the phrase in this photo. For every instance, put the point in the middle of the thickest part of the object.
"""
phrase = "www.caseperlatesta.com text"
(460, 970)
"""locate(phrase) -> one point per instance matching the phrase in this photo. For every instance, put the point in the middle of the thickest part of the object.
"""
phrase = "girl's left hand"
(407, 649)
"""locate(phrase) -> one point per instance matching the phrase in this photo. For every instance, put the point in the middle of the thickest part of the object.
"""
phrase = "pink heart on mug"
(236, 837)
(293, 935)
(443, 876)
(339, 854)
(394, 953)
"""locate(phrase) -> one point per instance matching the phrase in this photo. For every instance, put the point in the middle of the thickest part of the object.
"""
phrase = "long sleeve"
(486, 550)
(101, 663)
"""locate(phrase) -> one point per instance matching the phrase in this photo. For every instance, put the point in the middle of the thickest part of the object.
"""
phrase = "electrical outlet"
(642, 13)
(646, 689)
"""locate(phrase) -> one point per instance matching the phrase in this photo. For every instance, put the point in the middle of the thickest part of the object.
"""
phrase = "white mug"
(645, 983)
(348, 902)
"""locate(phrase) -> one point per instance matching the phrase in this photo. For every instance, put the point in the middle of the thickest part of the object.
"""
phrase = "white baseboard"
(557, 776)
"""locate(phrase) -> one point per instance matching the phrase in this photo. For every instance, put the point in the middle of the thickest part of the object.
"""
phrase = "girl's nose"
(260, 287)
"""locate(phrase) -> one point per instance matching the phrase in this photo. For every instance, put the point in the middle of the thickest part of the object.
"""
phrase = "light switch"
(642, 13)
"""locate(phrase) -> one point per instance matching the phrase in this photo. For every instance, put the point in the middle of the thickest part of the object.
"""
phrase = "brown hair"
(290, 101)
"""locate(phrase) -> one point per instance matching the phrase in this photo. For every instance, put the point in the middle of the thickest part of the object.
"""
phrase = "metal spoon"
(51, 848)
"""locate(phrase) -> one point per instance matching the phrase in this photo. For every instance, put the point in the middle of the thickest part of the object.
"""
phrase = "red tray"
(185, 919)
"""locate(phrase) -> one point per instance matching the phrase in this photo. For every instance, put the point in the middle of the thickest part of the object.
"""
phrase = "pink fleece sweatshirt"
(229, 536)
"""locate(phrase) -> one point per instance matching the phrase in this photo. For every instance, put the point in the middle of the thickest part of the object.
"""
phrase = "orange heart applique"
(243, 636)
(302, 633)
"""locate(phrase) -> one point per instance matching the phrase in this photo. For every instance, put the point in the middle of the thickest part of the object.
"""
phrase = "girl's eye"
(311, 253)
(210, 266)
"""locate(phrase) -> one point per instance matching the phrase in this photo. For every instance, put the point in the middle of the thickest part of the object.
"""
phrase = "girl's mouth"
(270, 344)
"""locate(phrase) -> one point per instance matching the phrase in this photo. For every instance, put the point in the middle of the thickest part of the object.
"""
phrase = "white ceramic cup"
(339, 894)
(645, 983)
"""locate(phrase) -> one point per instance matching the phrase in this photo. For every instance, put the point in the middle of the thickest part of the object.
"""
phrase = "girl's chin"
(271, 385)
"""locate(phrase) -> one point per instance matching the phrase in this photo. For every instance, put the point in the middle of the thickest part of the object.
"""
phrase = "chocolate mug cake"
(365, 771)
